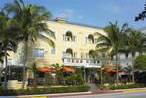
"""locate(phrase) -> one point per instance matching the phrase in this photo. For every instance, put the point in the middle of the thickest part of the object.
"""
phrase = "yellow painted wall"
(79, 46)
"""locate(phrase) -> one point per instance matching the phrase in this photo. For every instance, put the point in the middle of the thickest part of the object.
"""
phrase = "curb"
(98, 92)
(68, 94)
(60, 95)
(133, 90)
(54, 95)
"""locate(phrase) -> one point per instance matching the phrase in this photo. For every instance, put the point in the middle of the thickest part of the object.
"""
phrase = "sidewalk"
(79, 93)
(69, 94)
(54, 95)
(133, 90)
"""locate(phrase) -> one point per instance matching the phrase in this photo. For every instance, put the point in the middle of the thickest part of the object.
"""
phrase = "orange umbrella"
(108, 68)
(46, 69)
(68, 69)
(114, 71)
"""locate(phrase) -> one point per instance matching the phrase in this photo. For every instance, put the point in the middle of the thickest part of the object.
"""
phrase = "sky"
(93, 12)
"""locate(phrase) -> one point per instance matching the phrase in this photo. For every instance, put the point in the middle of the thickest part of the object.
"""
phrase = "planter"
(14, 84)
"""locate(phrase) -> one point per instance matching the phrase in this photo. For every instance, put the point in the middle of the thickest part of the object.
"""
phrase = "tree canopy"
(140, 62)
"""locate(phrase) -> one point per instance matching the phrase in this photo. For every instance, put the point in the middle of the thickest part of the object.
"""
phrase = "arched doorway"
(69, 53)
(90, 39)
(68, 36)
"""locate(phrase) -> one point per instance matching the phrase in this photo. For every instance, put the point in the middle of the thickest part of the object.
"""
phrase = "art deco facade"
(73, 44)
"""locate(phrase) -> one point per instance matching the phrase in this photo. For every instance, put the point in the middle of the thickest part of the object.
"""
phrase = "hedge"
(128, 86)
(49, 90)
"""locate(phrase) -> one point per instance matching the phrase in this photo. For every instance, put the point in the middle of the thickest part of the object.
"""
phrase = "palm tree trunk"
(84, 74)
(140, 52)
(110, 59)
(0, 76)
(35, 79)
(133, 77)
(35, 75)
(117, 70)
(25, 62)
(5, 75)
(101, 76)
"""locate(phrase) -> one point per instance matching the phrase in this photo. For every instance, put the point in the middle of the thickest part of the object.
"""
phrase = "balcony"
(78, 62)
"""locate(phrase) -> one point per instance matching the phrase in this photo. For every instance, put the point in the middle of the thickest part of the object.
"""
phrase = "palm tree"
(128, 70)
(1, 57)
(34, 69)
(1, 53)
(112, 42)
(93, 54)
(9, 30)
(32, 19)
(135, 44)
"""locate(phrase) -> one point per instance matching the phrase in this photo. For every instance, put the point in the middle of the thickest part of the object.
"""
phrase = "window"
(63, 37)
(87, 55)
(75, 55)
(53, 50)
(90, 39)
(86, 40)
(82, 55)
(64, 54)
(74, 38)
(10, 62)
(37, 52)
(68, 36)
(98, 61)
(87, 61)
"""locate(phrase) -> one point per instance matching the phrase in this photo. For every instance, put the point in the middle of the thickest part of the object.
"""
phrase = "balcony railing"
(81, 62)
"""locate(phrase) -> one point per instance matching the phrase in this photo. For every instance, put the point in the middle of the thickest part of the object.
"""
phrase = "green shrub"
(74, 79)
(49, 90)
(140, 62)
(128, 86)
(48, 79)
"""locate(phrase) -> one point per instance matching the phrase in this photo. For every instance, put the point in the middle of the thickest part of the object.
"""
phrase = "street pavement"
(112, 95)
(129, 93)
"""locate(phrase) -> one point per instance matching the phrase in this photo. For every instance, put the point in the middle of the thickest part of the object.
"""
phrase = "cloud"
(80, 17)
(113, 8)
(68, 14)
(116, 9)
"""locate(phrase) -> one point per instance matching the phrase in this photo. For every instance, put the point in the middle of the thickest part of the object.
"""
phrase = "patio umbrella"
(46, 69)
(68, 69)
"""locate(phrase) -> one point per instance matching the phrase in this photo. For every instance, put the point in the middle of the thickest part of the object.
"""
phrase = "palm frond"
(49, 40)
(1, 57)
(102, 44)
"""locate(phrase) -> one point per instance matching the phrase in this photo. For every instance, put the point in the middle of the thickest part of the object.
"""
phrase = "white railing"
(81, 62)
